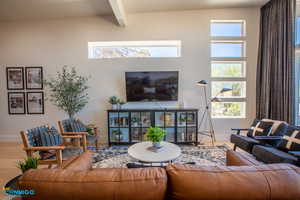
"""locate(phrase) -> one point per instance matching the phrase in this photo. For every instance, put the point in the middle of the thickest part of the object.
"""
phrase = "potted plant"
(28, 163)
(68, 91)
(117, 134)
(121, 103)
(113, 100)
(135, 121)
(182, 120)
(90, 130)
(155, 135)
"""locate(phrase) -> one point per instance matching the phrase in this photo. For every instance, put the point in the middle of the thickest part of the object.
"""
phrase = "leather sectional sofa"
(243, 179)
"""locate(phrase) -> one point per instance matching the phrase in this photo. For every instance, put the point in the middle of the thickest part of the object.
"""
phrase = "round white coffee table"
(143, 152)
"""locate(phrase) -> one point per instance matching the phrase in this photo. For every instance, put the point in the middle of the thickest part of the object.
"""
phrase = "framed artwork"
(16, 103)
(35, 102)
(34, 78)
(15, 78)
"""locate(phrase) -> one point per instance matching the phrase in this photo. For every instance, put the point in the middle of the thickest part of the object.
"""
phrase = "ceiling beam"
(119, 11)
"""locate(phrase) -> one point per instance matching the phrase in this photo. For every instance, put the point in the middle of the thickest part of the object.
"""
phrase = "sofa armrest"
(268, 137)
(295, 153)
(71, 136)
(44, 148)
(83, 162)
(75, 133)
(238, 130)
(234, 158)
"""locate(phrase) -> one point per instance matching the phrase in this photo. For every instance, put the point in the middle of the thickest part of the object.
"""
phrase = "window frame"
(244, 111)
(243, 49)
(227, 60)
(132, 44)
(242, 22)
(243, 67)
(230, 97)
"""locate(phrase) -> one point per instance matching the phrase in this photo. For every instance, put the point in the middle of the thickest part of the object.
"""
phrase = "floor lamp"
(207, 112)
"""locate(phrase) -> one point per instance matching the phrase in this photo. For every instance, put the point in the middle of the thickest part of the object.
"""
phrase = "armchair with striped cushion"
(52, 147)
(76, 127)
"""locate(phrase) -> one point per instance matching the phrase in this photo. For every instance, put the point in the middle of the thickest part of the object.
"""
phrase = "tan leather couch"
(180, 182)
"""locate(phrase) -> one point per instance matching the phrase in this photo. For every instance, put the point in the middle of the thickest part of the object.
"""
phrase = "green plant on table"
(113, 100)
(28, 163)
(90, 130)
(155, 134)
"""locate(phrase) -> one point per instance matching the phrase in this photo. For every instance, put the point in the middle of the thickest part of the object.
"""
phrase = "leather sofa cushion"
(106, 184)
(264, 182)
(81, 162)
(234, 158)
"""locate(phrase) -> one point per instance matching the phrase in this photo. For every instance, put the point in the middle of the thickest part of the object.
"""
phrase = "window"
(227, 28)
(226, 49)
(135, 49)
(238, 89)
(228, 109)
(225, 69)
(228, 68)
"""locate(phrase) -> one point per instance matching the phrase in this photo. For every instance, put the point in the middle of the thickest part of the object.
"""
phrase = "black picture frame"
(9, 100)
(8, 69)
(30, 102)
(28, 86)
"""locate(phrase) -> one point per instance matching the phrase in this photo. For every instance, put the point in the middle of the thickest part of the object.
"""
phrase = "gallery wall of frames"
(25, 90)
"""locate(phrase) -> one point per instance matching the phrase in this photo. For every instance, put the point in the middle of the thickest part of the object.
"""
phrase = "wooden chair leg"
(96, 145)
(59, 158)
(84, 143)
(234, 147)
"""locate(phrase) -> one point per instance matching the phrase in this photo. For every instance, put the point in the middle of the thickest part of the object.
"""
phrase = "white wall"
(55, 43)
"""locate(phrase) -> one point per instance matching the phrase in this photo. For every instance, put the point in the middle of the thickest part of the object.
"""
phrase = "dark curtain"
(275, 70)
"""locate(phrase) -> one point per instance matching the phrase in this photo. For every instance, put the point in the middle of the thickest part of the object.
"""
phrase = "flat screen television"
(152, 86)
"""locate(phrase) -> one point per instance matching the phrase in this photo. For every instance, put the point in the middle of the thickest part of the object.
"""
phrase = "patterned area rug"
(117, 156)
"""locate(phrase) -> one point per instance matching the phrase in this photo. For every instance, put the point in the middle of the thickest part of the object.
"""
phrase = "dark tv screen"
(152, 86)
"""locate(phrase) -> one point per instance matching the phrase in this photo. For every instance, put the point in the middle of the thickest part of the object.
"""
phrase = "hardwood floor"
(11, 153)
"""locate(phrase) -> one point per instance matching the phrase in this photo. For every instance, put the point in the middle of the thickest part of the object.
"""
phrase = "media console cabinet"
(128, 126)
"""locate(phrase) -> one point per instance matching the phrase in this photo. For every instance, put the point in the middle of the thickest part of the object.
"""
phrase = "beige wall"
(55, 43)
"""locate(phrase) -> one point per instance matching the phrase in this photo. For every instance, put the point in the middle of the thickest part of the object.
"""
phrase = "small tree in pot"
(68, 91)
(155, 135)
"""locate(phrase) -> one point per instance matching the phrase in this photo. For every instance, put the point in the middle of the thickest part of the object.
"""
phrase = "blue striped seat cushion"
(50, 137)
(71, 125)
(44, 136)
(33, 135)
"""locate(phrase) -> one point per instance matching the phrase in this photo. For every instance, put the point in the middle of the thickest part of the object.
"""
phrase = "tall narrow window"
(228, 68)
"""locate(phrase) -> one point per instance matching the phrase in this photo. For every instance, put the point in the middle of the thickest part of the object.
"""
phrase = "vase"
(156, 145)
(114, 106)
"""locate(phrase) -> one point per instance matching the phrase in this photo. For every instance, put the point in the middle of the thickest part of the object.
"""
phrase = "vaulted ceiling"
(48, 9)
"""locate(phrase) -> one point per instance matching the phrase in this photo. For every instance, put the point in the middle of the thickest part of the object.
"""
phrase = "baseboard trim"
(9, 138)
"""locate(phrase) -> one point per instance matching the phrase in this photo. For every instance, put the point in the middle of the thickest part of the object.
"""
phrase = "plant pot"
(114, 106)
(156, 145)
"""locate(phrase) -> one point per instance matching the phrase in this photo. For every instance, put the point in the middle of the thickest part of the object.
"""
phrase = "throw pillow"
(291, 140)
(260, 128)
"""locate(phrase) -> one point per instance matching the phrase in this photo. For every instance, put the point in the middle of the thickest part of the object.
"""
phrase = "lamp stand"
(206, 117)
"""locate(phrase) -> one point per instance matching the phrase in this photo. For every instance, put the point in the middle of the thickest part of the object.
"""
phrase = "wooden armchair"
(75, 127)
(57, 157)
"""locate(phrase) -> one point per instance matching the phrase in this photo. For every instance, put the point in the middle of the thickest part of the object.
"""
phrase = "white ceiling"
(44, 9)
(47, 9)
(133, 6)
